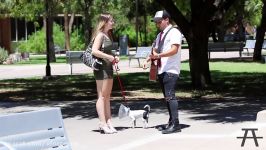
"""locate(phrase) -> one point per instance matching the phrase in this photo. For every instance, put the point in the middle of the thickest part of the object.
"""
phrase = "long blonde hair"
(103, 19)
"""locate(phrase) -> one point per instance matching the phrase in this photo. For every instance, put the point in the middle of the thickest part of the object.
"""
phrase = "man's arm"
(172, 51)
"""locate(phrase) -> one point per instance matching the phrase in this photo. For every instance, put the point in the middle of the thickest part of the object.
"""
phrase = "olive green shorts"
(103, 74)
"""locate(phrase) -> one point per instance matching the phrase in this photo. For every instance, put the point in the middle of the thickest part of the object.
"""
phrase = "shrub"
(3, 55)
(131, 32)
(77, 41)
(37, 41)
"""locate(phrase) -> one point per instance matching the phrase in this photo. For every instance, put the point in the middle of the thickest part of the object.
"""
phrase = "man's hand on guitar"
(155, 56)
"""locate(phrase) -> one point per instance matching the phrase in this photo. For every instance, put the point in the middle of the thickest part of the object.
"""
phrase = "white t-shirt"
(170, 64)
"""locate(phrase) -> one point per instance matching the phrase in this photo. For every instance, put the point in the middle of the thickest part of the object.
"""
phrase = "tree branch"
(176, 15)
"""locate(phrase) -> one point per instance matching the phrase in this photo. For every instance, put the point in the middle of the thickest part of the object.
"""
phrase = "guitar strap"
(154, 68)
(159, 50)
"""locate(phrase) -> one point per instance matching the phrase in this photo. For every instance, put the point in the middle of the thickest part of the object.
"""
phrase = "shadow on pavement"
(219, 111)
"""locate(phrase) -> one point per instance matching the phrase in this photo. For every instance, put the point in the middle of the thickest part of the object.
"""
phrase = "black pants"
(168, 83)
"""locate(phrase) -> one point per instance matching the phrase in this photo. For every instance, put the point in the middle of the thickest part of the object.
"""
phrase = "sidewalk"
(205, 126)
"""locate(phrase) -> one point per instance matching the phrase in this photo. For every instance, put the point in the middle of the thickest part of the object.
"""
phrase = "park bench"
(225, 47)
(73, 57)
(33, 130)
(250, 44)
(141, 53)
(59, 50)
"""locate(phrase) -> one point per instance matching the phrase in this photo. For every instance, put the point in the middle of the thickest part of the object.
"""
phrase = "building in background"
(13, 30)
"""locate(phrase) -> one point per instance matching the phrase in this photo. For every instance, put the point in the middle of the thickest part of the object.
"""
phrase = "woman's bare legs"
(104, 89)
(107, 88)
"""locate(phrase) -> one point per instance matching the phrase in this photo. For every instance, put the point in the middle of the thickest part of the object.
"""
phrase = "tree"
(86, 10)
(196, 31)
(260, 34)
(69, 8)
(30, 11)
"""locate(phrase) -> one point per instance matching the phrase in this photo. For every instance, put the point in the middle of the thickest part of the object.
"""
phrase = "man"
(167, 53)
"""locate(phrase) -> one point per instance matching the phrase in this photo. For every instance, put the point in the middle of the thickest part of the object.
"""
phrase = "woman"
(102, 48)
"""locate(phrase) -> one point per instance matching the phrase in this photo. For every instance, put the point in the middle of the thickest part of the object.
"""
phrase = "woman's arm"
(96, 46)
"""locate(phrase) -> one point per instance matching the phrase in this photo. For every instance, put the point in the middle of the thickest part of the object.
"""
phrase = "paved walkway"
(205, 125)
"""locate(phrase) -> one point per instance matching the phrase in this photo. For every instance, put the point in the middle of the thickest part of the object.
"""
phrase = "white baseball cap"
(162, 14)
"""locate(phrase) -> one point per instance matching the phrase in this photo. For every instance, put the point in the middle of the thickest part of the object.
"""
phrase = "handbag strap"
(91, 43)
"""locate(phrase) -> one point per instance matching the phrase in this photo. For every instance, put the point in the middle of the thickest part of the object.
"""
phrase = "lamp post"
(137, 23)
(48, 68)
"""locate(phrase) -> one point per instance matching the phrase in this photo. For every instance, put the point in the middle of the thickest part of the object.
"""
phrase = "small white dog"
(143, 114)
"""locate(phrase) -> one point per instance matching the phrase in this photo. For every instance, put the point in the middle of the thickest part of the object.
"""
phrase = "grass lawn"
(230, 80)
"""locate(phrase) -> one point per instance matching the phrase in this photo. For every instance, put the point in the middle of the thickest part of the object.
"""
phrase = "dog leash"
(120, 82)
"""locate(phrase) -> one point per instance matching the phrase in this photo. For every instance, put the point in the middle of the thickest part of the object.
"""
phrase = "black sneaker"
(173, 128)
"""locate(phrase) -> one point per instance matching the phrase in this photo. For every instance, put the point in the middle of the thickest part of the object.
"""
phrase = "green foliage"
(184, 7)
(25, 9)
(37, 41)
(77, 41)
(3, 55)
(253, 11)
(58, 35)
(125, 19)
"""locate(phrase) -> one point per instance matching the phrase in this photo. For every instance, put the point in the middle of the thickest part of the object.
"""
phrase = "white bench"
(261, 116)
(142, 52)
(250, 44)
(34, 130)
(73, 57)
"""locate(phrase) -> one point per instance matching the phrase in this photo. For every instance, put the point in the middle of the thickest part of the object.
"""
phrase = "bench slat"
(142, 52)
(34, 130)
(26, 137)
(30, 121)
(40, 144)
(73, 57)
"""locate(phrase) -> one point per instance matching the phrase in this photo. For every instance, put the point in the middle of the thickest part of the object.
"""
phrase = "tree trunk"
(51, 42)
(259, 42)
(260, 35)
(50, 23)
(87, 21)
(71, 22)
(199, 64)
(51, 39)
(67, 36)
